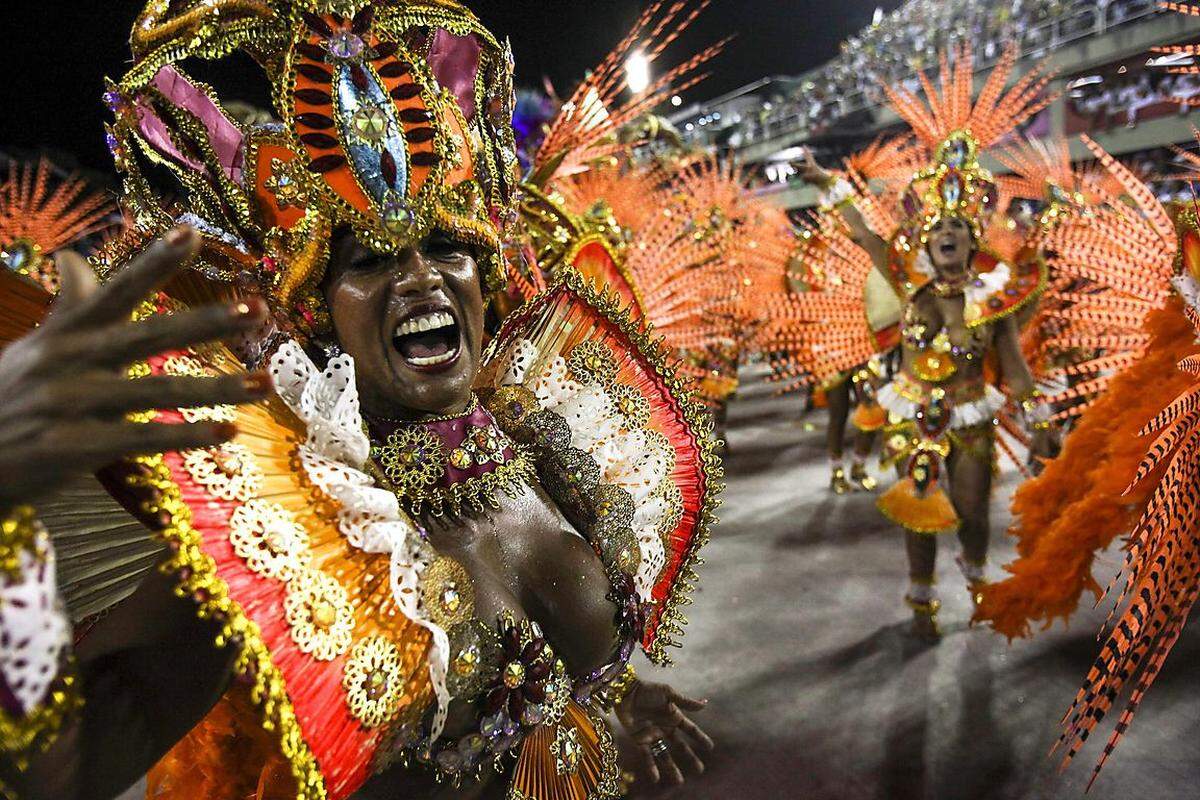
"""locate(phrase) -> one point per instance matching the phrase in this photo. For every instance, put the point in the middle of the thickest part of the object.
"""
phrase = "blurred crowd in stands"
(1101, 102)
(899, 45)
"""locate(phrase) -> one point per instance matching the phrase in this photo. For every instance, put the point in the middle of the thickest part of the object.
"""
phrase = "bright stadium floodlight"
(637, 72)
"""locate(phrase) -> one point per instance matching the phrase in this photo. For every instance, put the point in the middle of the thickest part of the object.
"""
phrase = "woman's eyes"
(369, 263)
(443, 248)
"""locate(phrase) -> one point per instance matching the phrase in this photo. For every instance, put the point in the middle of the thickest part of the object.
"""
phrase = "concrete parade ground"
(798, 637)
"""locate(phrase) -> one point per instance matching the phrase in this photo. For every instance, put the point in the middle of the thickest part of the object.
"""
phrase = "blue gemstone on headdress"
(370, 128)
(952, 190)
(346, 45)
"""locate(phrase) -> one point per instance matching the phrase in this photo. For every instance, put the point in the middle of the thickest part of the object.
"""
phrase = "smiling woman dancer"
(960, 301)
(425, 566)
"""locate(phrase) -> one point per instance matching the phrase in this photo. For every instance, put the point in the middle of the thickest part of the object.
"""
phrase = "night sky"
(57, 53)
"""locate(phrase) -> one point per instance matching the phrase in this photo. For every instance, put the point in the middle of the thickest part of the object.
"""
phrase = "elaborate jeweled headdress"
(955, 130)
(392, 118)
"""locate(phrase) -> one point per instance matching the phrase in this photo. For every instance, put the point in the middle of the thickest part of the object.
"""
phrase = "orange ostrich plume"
(1043, 170)
(1122, 260)
(991, 117)
(40, 215)
(814, 335)
(585, 130)
(1162, 570)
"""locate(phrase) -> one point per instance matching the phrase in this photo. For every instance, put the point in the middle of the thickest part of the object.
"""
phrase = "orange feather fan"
(585, 130)
(40, 214)
(989, 118)
(816, 335)
(1162, 571)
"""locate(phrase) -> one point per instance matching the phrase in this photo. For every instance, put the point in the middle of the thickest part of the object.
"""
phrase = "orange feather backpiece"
(814, 336)
(586, 128)
(697, 254)
(1162, 571)
(1114, 263)
(40, 214)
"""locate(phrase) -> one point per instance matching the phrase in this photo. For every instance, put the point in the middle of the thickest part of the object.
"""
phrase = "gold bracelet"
(22, 734)
(616, 692)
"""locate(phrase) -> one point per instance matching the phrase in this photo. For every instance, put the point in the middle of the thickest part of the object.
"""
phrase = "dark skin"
(524, 557)
(951, 246)
(149, 671)
(838, 398)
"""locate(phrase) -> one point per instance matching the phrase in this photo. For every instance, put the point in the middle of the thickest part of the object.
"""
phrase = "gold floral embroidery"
(373, 683)
(475, 659)
(592, 362)
(318, 610)
(448, 593)
(672, 498)
(185, 366)
(268, 537)
(482, 445)
(228, 471)
(413, 458)
(288, 183)
(631, 405)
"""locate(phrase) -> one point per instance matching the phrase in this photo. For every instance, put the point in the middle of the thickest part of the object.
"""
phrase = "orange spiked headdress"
(392, 117)
(956, 129)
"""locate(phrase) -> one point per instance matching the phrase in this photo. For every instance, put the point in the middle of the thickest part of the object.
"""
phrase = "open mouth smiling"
(428, 340)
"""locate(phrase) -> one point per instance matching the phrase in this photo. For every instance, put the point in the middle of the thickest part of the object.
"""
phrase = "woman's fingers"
(78, 281)
(685, 754)
(129, 286)
(122, 344)
(686, 703)
(101, 394)
(89, 446)
(669, 769)
(698, 735)
(649, 763)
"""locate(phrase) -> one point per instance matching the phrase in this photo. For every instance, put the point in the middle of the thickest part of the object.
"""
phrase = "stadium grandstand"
(1100, 50)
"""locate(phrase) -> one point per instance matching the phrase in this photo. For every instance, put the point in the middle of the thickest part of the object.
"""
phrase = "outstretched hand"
(1045, 446)
(653, 714)
(812, 172)
(63, 390)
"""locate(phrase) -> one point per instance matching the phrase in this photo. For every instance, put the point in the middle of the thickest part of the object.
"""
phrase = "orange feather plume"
(949, 108)
(1162, 570)
(585, 130)
(40, 214)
